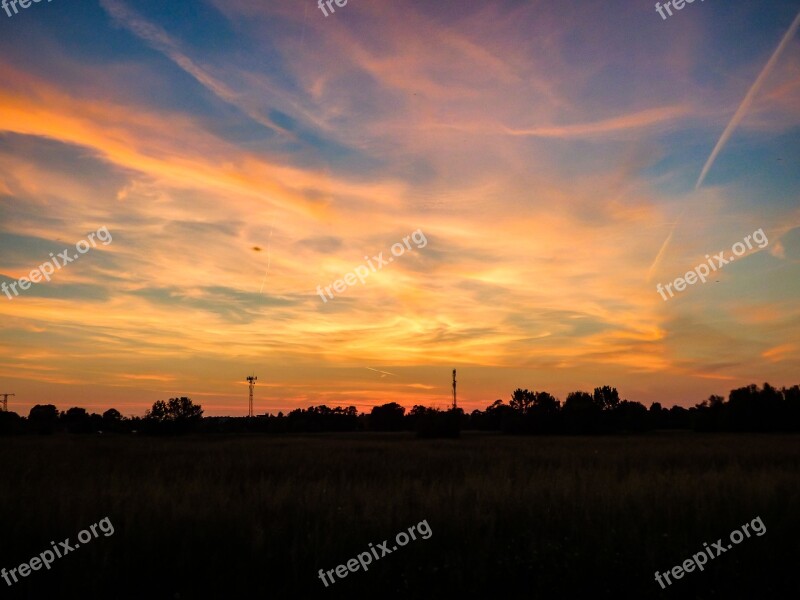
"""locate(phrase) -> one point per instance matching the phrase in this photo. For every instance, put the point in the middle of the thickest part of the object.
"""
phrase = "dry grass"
(242, 517)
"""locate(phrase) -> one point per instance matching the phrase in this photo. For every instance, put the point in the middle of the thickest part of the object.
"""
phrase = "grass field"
(257, 517)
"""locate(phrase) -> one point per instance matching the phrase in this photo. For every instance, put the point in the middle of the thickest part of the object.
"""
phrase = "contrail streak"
(158, 39)
(385, 373)
(664, 246)
(748, 99)
(732, 125)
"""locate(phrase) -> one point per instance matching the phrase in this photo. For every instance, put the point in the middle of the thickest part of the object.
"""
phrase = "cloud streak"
(637, 120)
(160, 40)
(541, 155)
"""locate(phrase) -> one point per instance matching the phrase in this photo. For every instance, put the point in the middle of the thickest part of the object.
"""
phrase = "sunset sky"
(243, 152)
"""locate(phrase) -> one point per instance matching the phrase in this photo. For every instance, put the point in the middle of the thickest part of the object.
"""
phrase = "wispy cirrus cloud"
(160, 40)
(544, 157)
(638, 120)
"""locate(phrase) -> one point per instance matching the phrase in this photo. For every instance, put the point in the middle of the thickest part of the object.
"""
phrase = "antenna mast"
(5, 401)
(252, 380)
(454, 389)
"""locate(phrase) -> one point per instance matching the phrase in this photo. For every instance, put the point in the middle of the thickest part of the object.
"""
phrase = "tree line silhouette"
(750, 408)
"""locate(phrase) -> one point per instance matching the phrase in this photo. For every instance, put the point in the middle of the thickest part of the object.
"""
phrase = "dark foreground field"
(257, 517)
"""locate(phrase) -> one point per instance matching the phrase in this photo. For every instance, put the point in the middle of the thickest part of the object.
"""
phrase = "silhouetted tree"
(748, 408)
(183, 409)
(76, 420)
(770, 409)
(414, 415)
(606, 397)
(43, 418)
(791, 399)
(387, 417)
(630, 416)
(158, 412)
(521, 400)
(10, 423)
(493, 418)
(112, 415)
(178, 415)
(678, 418)
(656, 416)
(710, 415)
(742, 407)
(112, 420)
(432, 423)
(322, 418)
(581, 413)
(544, 414)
